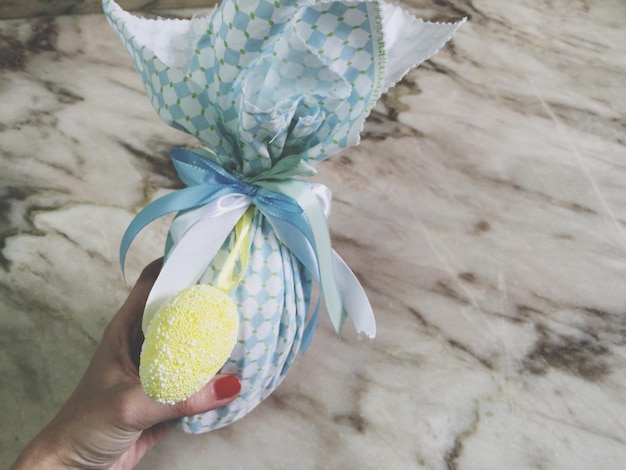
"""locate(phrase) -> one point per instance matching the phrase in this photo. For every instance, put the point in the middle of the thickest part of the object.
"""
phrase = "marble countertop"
(29, 8)
(484, 211)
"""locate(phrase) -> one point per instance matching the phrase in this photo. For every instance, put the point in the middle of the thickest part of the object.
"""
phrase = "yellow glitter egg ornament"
(187, 342)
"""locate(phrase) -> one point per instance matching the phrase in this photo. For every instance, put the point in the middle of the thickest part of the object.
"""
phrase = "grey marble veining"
(30, 8)
(484, 212)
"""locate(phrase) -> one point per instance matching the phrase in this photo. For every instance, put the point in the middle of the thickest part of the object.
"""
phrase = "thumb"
(219, 392)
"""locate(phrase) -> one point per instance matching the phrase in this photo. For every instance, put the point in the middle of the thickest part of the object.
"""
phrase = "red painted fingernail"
(226, 387)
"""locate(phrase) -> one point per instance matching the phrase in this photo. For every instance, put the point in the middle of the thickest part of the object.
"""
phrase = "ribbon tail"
(327, 280)
(183, 199)
(355, 301)
(190, 257)
(316, 231)
(307, 336)
(299, 245)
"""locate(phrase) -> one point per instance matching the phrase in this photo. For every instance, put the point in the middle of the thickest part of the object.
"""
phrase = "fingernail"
(226, 387)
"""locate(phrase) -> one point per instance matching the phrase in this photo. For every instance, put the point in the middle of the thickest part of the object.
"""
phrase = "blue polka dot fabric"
(257, 81)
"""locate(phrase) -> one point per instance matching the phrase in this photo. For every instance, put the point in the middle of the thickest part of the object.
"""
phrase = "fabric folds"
(269, 89)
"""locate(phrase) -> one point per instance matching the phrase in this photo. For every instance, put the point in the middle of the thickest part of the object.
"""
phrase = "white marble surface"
(30, 8)
(485, 212)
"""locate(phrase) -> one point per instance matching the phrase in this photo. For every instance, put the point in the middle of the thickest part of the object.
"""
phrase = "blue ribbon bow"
(289, 204)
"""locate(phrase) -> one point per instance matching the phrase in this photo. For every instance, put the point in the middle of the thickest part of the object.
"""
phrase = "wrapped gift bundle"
(269, 89)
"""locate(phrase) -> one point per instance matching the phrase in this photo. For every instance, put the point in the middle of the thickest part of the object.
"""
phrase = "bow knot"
(251, 190)
(290, 205)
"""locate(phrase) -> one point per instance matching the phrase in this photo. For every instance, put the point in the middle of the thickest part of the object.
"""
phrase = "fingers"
(138, 410)
(219, 392)
(148, 440)
(123, 337)
(136, 300)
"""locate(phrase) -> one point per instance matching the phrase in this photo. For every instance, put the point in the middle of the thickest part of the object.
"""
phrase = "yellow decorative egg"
(187, 342)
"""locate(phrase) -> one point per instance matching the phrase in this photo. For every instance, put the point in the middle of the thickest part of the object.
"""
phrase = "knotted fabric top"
(260, 80)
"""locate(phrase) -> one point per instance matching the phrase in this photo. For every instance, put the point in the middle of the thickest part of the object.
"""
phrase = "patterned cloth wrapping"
(255, 82)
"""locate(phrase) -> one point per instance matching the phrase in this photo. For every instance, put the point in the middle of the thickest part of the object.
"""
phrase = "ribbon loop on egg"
(291, 206)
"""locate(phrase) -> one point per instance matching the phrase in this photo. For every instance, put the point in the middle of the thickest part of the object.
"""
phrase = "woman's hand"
(109, 422)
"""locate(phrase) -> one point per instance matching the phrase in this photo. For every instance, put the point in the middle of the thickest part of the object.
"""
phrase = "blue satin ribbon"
(289, 204)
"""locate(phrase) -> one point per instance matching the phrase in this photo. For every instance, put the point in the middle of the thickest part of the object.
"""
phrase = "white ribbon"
(198, 235)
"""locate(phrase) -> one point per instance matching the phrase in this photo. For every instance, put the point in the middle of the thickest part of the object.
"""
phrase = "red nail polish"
(226, 387)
